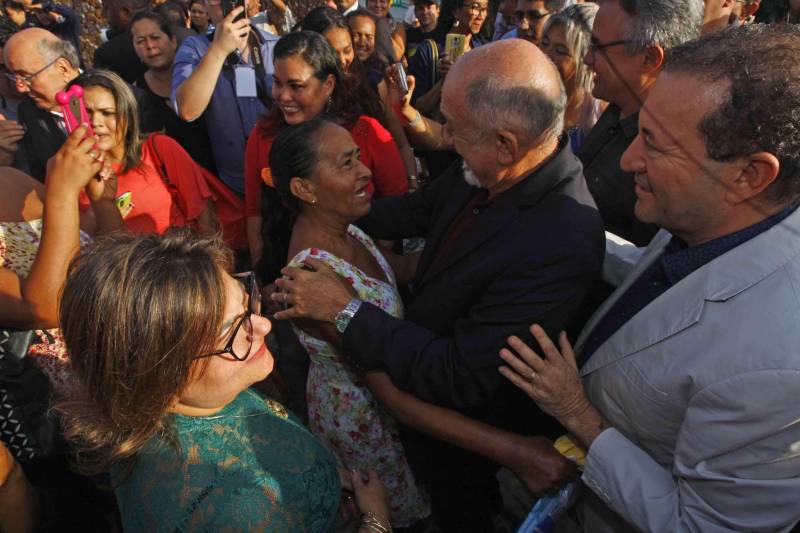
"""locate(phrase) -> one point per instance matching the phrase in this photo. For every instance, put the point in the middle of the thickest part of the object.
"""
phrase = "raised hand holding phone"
(231, 34)
(74, 110)
(76, 164)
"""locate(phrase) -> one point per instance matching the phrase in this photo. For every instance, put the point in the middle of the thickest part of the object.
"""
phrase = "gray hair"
(525, 110)
(52, 49)
(666, 23)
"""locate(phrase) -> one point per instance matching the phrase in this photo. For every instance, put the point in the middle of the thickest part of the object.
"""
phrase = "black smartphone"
(400, 76)
(230, 5)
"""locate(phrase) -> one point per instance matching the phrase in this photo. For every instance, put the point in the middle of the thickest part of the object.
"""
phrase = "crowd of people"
(312, 267)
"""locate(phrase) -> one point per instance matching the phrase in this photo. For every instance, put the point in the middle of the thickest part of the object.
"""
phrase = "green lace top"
(250, 467)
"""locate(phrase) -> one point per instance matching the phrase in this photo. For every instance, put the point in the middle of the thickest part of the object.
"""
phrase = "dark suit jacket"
(43, 137)
(118, 55)
(531, 257)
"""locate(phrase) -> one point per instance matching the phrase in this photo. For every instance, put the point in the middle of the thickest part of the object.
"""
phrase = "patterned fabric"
(19, 242)
(250, 467)
(341, 410)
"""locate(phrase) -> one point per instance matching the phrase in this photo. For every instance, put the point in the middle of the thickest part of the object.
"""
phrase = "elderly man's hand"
(318, 293)
(553, 381)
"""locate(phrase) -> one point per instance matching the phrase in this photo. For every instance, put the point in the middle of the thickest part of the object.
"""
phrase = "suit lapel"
(457, 199)
(504, 210)
(492, 220)
(682, 305)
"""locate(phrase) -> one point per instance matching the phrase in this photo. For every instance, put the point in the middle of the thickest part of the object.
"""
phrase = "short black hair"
(762, 111)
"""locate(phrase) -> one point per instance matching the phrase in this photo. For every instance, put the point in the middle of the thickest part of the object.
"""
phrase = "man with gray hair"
(41, 65)
(511, 234)
(629, 41)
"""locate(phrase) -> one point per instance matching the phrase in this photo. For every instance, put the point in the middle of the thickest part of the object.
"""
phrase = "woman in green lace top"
(164, 344)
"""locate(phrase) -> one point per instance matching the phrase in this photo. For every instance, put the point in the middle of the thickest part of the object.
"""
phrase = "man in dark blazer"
(44, 65)
(512, 237)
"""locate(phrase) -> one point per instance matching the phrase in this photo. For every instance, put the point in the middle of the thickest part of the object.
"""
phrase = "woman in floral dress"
(329, 181)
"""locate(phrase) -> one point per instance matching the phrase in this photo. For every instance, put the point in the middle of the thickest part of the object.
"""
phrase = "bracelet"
(416, 122)
(371, 522)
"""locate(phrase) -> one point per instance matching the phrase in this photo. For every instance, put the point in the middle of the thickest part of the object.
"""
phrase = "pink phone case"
(71, 102)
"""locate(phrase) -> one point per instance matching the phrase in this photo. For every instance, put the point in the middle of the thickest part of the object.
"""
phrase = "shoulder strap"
(434, 58)
(161, 168)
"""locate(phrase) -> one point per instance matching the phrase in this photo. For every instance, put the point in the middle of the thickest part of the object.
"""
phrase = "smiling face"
(616, 71)
(340, 41)
(530, 16)
(678, 186)
(362, 30)
(379, 8)
(154, 48)
(555, 46)
(217, 380)
(427, 13)
(340, 180)
(102, 110)
(299, 93)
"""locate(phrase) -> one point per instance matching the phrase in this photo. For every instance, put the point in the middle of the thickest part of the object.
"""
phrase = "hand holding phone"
(230, 5)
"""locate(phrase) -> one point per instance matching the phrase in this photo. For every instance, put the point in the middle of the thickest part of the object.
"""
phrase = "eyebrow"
(347, 155)
(228, 324)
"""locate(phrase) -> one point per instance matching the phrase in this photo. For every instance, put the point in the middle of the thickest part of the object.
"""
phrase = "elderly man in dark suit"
(42, 65)
(512, 236)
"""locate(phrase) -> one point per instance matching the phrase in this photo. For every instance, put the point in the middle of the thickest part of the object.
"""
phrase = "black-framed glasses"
(27, 79)
(239, 345)
(477, 9)
(531, 15)
(595, 46)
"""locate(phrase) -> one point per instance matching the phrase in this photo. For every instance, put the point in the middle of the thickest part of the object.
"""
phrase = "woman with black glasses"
(165, 345)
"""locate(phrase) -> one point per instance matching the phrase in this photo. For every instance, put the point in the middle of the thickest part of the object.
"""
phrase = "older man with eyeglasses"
(626, 53)
(40, 65)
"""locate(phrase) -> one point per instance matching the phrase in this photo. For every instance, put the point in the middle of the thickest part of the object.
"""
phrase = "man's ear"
(303, 190)
(748, 10)
(507, 146)
(653, 58)
(759, 172)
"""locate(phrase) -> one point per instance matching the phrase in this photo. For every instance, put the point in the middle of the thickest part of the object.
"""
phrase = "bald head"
(508, 84)
(45, 61)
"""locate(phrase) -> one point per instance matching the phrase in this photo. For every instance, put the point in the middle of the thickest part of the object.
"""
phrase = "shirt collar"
(680, 260)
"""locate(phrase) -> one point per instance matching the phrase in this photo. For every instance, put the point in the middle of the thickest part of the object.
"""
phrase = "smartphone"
(124, 203)
(455, 45)
(400, 76)
(230, 5)
(73, 109)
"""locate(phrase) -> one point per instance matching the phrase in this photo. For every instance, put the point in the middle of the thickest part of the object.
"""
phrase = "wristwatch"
(344, 316)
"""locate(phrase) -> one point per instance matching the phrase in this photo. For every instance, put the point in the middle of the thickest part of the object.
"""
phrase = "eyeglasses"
(595, 47)
(26, 80)
(477, 9)
(241, 350)
(531, 15)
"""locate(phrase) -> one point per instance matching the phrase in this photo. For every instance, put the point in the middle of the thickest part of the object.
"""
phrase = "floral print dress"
(19, 242)
(341, 410)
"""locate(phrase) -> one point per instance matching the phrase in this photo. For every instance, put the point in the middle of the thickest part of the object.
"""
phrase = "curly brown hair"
(760, 114)
(135, 312)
